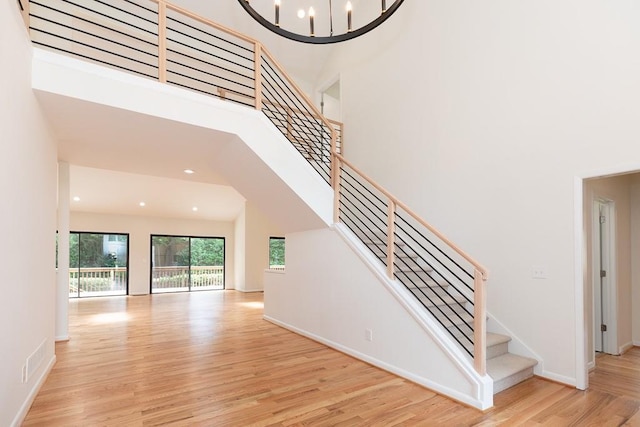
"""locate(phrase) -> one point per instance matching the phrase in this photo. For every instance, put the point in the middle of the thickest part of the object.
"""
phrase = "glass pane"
(73, 265)
(102, 264)
(170, 264)
(207, 263)
(276, 253)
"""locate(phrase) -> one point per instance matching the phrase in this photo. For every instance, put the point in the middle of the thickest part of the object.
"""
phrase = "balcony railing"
(162, 41)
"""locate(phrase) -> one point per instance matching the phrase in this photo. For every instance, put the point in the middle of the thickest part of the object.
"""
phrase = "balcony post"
(258, 75)
(391, 230)
(162, 41)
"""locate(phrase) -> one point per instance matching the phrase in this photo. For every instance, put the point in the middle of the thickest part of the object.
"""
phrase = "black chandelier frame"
(312, 39)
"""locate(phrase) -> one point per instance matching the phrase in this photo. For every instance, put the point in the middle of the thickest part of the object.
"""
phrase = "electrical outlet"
(539, 272)
(368, 334)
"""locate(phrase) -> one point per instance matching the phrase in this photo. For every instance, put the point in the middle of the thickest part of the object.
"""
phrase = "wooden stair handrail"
(447, 241)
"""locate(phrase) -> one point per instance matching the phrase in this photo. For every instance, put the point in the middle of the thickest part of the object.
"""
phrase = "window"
(98, 264)
(276, 253)
(185, 264)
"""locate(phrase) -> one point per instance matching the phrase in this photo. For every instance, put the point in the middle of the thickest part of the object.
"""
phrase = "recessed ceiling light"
(142, 204)
(195, 208)
(301, 13)
(76, 198)
(189, 171)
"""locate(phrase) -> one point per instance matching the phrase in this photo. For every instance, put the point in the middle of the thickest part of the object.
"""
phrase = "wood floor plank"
(209, 359)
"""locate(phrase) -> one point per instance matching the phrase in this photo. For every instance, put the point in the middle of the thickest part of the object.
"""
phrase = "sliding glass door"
(182, 264)
(98, 264)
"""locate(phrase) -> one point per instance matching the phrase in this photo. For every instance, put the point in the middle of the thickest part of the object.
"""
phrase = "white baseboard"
(62, 338)
(591, 366)
(624, 348)
(247, 291)
(24, 409)
(438, 388)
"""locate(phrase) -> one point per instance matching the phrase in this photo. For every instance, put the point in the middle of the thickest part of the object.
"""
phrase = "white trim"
(483, 385)
(625, 347)
(248, 291)
(579, 248)
(385, 366)
(62, 338)
(26, 405)
(591, 366)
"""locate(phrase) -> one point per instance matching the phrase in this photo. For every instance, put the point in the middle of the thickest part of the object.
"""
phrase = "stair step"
(508, 370)
(496, 345)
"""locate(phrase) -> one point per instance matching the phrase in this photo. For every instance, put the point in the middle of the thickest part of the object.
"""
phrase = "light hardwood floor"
(209, 359)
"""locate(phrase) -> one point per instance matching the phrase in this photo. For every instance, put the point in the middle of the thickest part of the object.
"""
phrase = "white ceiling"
(112, 192)
(119, 158)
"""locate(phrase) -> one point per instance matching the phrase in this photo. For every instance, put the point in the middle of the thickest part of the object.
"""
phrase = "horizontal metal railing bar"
(385, 204)
(70, 15)
(120, 10)
(432, 309)
(204, 72)
(95, 48)
(95, 60)
(297, 100)
(382, 219)
(129, 24)
(171, 29)
(267, 55)
(373, 223)
(169, 18)
(292, 122)
(429, 275)
(141, 6)
(195, 17)
(95, 36)
(235, 54)
(434, 258)
(409, 211)
(346, 221)
(208, 63)
(433, 245)
(203, 91)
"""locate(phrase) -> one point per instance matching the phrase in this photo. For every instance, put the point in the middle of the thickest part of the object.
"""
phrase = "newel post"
(162, 41)
(479, 323)
(257, 63)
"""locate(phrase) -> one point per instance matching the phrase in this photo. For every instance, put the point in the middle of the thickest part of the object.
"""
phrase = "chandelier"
(314, 21)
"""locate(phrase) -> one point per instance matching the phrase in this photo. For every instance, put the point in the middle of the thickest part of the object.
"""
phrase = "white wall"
(329, 294)
(252, 232)
(27, 222)
(480, 115)
(617, 190)
(140, 230)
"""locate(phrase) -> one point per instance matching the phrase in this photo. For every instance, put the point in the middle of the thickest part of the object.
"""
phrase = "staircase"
(451, 309)
(187, 51)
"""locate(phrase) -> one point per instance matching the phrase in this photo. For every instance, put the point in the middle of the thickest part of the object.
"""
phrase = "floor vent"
(34, 361)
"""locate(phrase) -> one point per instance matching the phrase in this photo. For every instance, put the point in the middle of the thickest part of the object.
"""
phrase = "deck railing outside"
(162, 41)
(195, 278)
(97, 281)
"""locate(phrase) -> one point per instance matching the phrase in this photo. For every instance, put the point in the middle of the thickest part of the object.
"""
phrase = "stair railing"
(162, 41)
